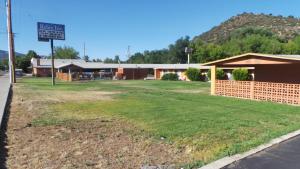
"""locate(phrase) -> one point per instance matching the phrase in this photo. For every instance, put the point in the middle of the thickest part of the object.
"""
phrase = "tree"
(23, 62)
(97, 60)
(292, 46)
(86, 58)
(117, 59)
(244, 40)
(177, 50)
(32, 54)
(220, 74)
(193, 74)
(157, 56)
(137, 58)
(66, 52)
(108, 60)
(240, 74)
(4, 64)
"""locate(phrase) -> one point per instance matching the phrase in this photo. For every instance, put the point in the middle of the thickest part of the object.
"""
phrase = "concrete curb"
(4, 103)
(218, 164)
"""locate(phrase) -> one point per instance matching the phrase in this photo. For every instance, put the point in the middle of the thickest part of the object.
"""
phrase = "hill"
(284, 27)
(4, 54)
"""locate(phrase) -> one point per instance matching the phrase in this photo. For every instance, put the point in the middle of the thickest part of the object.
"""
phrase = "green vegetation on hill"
(257, 33)
(244, 40)
(284, 27)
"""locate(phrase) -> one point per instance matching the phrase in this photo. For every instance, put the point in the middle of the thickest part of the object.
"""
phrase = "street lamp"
(188, 51)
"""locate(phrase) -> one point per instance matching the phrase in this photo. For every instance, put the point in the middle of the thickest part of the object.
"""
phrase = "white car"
(149, 77)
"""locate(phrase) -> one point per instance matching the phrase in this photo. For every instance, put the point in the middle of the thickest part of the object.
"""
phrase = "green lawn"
(184, 113)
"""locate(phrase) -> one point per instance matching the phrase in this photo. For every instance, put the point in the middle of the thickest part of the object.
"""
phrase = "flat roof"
(60, 63)
(91, 65)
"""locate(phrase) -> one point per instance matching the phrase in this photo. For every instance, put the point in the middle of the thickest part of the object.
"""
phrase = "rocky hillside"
(284, 27)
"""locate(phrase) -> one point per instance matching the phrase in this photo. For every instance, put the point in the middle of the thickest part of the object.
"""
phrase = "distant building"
(77, 69)
(42, 67)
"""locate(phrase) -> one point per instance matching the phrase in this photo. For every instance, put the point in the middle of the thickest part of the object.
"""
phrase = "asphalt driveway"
(285, 155)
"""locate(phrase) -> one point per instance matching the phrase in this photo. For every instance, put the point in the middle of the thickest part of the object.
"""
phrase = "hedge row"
(195, 75)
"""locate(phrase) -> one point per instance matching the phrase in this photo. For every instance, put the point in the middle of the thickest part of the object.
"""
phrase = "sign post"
(52, 64)
(49, 31)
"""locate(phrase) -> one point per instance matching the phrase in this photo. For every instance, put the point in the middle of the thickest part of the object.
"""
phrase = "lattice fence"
(240, 89)
(274, 92)
(277, 92)
(62, 76)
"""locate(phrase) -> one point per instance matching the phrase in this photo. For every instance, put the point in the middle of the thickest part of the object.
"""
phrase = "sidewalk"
(282, 156)
(4, 91)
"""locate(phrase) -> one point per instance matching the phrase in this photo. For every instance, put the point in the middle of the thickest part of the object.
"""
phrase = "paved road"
(4, 89)
(285, 155)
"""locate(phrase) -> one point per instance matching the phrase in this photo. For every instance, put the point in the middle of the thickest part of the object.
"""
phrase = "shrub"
(193, 74)
(170, 76)
(220, 74)
(240, 74)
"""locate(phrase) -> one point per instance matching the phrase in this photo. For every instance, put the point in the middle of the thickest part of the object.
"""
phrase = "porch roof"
(69, 65)
(252, 59)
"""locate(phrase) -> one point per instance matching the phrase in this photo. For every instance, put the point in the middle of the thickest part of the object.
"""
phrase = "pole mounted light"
(188, 51)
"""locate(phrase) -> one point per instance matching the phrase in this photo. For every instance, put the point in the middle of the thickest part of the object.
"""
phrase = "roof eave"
(250, 54)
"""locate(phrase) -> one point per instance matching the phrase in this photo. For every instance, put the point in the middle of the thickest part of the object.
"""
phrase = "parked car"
(19, 73)
(149, 77)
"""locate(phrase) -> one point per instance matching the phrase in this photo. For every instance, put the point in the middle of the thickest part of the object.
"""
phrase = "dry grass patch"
(95, 142)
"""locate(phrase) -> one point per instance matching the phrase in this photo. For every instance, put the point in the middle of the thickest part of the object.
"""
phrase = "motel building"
(77, 69)
(275, 78)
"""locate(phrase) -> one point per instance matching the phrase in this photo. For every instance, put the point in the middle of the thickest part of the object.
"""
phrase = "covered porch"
(69, 72)
(274, 78)
(73, 72)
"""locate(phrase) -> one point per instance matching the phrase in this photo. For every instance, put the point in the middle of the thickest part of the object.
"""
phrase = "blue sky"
(109, 26)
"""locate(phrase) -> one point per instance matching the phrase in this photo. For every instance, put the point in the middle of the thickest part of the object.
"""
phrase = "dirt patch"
(83, 95)
(98, 143)
(88, 144)
(62, 96)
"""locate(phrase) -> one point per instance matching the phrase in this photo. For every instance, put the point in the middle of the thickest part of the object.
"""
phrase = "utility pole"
(11, 49)
(128, 52)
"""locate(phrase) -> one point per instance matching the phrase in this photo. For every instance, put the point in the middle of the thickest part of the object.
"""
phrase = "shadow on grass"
(3, 135)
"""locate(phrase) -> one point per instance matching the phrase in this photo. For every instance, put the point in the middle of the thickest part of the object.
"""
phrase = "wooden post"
(52, 63)
(213, 80)
(70, 75)
(252, 90)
